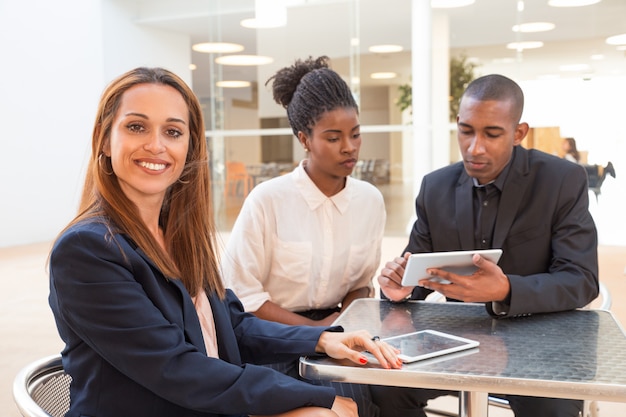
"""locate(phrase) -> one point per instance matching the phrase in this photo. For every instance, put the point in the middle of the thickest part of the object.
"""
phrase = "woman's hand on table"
(350, 345)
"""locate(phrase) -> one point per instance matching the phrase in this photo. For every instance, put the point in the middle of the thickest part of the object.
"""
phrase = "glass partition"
(574, 80)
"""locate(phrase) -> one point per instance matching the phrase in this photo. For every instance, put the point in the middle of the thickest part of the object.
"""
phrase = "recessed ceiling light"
(617, 39)
(574, 67)
(383, 75)
(233, 84)
(520, 46)
(385, 49)
(449, 4)
(533, 27)
(572, 3)
(597, 57)
(267, 14)
(193, 67)
(243, 60)
(217, 47)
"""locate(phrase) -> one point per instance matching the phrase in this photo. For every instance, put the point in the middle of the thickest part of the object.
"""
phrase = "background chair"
(238, 180)
(42, 388)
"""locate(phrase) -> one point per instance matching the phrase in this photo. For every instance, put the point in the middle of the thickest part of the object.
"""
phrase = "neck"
(328, 185)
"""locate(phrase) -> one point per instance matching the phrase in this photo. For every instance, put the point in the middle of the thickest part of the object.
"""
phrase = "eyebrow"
(339, 130)
(143, 116)
(466, 125)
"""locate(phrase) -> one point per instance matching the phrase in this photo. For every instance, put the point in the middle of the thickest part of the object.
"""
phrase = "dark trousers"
(410, 402)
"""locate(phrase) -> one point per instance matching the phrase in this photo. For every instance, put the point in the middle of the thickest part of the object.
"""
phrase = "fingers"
(350, 345)
(390, 279)
(386, 354)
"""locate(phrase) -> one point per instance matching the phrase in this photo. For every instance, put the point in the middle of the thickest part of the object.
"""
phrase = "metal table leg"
(473, 404)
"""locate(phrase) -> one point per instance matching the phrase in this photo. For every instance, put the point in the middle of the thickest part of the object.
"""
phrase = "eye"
(135, 127)
(332, 139)
(173, 133)
(356, 135)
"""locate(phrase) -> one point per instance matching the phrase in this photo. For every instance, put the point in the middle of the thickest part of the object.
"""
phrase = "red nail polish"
(363, 360)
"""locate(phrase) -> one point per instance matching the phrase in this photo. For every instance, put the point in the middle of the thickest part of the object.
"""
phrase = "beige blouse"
(205, 314)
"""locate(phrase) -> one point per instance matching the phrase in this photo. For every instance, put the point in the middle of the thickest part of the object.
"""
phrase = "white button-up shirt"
(302, 250)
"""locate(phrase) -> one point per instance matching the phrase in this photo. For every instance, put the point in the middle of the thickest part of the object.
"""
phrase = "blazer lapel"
(512, 195)
(191, 322)
(464, 211)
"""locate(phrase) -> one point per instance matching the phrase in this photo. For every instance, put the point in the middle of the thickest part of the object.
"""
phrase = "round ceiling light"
(520, 46)
(217, 47)
(572, 3)
(532, 27)
(385, 49)
(244, 60)
(383, 75)
(449, 4)
(233, 84)
(617, 39)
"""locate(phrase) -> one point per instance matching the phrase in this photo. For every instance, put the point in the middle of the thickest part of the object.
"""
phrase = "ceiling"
(324, 27)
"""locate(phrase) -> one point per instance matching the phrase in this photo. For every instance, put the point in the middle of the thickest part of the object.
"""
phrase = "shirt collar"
(314, 197)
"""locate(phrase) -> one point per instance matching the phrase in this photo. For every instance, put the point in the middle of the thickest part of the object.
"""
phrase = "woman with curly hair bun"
(306, 244)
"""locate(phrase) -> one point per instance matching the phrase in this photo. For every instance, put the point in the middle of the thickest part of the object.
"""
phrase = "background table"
(578, 354)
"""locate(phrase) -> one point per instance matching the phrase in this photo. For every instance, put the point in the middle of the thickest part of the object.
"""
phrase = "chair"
(590, 408)
(42, 388)
(238, 180)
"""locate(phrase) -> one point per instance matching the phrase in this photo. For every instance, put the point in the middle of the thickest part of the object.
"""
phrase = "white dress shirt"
(300, 249)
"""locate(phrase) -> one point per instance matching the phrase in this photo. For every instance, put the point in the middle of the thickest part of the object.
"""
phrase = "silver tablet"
(427, 344)
(458, 262)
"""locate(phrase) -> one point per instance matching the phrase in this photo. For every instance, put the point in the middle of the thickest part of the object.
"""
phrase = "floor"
(30, 333)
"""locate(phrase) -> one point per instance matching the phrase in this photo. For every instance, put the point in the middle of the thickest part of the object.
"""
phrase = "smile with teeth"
(152, 166)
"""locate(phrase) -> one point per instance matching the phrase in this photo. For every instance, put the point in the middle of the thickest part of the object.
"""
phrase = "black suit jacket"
(543, 227)
(134, 346)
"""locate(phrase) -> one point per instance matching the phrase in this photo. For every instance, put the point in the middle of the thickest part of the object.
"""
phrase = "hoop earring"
(101, 167)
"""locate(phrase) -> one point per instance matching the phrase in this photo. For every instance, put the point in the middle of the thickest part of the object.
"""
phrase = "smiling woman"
(135, 288)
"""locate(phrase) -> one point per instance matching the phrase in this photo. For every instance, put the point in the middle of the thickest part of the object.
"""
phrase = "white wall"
(57, 57)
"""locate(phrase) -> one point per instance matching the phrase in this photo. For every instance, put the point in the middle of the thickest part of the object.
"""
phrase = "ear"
(106, 149)
(304, 140)
(520, 133)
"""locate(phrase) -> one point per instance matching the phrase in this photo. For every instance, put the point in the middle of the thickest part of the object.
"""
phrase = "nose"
(476, 146)
(154, 143)
(349, 146)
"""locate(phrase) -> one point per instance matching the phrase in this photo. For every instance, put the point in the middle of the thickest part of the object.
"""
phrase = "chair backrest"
(42, 388)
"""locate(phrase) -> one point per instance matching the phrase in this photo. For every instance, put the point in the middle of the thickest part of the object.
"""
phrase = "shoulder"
(91, 235)
(545, 163)
(447, 175)
(365, 188)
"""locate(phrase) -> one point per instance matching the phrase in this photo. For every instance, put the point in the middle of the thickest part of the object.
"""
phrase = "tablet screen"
(427, 344)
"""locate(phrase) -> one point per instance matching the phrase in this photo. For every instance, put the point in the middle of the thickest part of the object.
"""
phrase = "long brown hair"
(186, 216)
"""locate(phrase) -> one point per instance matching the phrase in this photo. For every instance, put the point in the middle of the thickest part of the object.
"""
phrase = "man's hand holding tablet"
(456, 262)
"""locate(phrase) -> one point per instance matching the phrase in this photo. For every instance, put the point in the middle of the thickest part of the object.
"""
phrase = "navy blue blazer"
(543, 226)
(134, 347)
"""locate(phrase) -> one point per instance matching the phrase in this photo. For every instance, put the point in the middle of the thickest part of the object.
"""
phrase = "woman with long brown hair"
(149, 328)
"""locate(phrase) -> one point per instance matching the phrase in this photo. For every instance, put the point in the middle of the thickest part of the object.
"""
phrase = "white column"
(421, 34)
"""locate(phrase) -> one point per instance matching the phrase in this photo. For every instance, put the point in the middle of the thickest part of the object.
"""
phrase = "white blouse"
(295, 246)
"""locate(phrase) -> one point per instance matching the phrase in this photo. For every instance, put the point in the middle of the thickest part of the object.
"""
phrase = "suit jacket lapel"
(512, 195)
(464, 211)
(191, 322)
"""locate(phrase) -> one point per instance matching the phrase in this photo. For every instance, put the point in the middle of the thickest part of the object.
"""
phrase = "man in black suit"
(532, 205)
